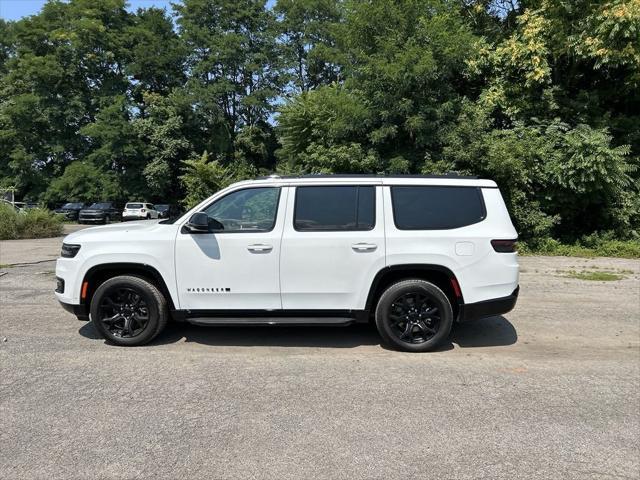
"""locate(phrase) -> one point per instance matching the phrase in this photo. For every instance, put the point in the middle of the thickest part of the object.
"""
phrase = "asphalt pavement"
(550, 390)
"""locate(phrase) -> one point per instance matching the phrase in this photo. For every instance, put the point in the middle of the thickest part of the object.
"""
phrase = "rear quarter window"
(436, 208)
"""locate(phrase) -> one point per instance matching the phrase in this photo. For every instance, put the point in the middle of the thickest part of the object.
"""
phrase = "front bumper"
(97, 219)
(68, 215)
(488, 308)
(80, 311)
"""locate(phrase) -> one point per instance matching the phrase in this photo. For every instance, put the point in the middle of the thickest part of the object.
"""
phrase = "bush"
(34, 223)
(8, 222)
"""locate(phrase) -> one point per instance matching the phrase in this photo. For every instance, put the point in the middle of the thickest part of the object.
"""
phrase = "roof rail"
(367, 175)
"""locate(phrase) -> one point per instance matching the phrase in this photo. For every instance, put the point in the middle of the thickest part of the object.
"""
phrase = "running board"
(270, 320)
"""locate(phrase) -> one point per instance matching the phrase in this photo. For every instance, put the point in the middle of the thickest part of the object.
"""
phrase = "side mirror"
(198, 223)
(215, 225)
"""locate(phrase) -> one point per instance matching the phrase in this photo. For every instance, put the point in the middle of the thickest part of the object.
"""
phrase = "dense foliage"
(543, 96)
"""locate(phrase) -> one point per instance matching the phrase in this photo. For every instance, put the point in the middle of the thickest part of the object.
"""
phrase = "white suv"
(413, 254)
(139, 211)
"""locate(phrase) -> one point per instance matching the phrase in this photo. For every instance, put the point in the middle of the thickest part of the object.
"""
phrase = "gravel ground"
(550, 390)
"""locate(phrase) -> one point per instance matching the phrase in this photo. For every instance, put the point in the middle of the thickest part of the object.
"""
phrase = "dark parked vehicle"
(166, 210)
(100, 212)
(71, 210)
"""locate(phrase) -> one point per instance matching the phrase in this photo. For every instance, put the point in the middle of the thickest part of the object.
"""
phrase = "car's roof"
(437, 180)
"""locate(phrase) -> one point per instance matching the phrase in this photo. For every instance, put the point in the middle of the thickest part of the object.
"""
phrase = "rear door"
(332, 246)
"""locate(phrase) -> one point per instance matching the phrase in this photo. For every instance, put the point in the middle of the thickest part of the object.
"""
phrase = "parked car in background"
(139, 211)
(166, 211)
(100, 212)
(26, 205)
(71, 210)
(6, 202)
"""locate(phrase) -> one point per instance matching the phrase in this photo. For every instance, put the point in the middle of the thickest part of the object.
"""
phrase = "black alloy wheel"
(128, 310)
(414, 315)
(124, 312)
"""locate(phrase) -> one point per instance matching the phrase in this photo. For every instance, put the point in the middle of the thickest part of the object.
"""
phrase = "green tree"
(403, 84)
(156, 54)
(308, 30)
(203, 177)
(234, 66)
(83, 182)
(164, 133)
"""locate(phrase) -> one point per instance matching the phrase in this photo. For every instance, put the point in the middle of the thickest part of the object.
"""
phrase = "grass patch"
(598, 276)
(596, 245)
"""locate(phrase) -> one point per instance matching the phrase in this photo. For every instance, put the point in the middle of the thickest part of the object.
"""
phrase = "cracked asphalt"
(550, 390)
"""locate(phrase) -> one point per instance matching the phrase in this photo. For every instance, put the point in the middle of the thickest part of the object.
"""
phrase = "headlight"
(69, 251)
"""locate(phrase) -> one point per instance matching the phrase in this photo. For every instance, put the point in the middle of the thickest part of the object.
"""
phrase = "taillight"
(504, 246)
(143, 210)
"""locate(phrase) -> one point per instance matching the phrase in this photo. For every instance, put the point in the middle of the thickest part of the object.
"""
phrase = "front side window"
(249, 210)
(436, 208)
(334, 208)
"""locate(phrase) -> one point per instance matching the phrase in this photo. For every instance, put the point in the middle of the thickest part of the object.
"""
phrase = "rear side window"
(334, 208)
(436, 208)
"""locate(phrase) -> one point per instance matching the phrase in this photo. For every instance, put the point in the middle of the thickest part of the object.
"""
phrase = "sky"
(16, 9)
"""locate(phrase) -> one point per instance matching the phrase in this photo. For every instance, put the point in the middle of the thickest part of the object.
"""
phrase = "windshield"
(72, 205)
(133, 205)
(101, 206)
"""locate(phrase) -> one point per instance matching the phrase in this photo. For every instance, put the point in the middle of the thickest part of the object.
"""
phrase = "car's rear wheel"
(414, 315)
(129, 310)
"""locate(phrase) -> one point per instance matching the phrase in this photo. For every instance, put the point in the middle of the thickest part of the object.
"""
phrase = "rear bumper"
(488, 308)
(80, 311)
(92, 219)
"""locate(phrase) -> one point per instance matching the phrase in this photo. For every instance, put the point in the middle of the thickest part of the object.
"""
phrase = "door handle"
(364, 247)
(260, 248)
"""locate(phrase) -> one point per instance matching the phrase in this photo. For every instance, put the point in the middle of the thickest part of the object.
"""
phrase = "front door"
(237, 268)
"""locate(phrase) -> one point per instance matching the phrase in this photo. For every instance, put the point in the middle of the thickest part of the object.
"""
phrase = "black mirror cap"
(198, 223)
(215, 225)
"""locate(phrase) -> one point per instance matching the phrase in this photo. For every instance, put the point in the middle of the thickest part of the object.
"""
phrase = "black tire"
(144, 300)
(414, 316)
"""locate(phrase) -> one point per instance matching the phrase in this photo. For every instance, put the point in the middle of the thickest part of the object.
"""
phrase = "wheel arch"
(97, 274)
(439, 275)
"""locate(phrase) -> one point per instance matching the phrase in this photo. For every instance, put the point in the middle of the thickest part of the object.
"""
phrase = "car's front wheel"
(129, 310)
(414, 315)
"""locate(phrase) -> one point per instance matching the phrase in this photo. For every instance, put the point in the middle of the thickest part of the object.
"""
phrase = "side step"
(270, 320)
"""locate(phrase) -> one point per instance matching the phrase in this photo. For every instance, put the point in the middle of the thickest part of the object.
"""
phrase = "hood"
(92, 210)
(117, 228)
